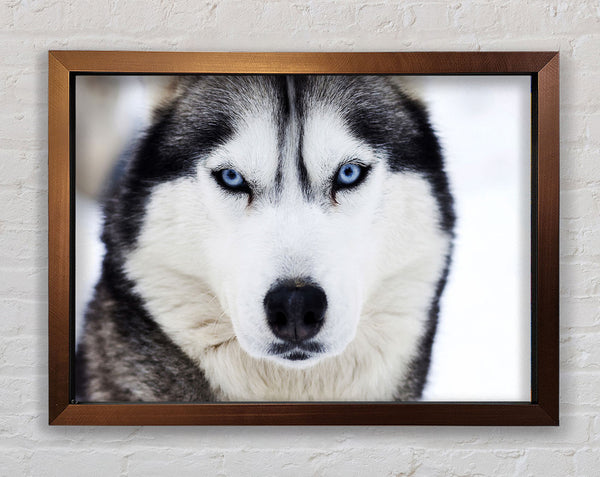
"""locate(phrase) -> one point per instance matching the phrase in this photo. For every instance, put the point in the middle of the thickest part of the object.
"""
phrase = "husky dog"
(273, 238)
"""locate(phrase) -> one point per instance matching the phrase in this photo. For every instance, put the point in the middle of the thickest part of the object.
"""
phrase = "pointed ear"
(412, 86)
(163, 90)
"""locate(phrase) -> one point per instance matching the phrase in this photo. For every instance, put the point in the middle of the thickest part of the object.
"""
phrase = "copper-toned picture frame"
(542, 67)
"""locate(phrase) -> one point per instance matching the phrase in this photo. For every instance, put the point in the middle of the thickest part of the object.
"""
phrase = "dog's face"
(293, 217)
(283, 206)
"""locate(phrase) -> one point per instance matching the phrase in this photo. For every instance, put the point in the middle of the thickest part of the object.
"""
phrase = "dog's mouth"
(296, 351)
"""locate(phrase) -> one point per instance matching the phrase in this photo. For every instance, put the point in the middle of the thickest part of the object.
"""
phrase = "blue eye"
(232, 178)
(232, 181)
(349, 174)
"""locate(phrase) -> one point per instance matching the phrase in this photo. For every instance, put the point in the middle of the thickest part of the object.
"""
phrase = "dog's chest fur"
(371, 368)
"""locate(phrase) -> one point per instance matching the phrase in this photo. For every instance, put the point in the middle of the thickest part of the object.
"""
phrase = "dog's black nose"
(295, 313)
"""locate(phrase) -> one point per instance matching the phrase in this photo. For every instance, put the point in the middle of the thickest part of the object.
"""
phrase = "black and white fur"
(179, 313)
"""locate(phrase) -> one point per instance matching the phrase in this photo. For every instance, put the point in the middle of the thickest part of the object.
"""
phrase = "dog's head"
(282, 205)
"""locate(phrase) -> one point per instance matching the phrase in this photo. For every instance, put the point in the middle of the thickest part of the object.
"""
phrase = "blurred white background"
(482, 348)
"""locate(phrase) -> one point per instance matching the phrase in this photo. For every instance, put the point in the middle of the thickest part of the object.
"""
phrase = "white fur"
(205, 260)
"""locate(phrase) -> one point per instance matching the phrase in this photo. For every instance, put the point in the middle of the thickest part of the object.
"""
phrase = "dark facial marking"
(284, 117)
(289, 112)
(303, 174)
(299, 82)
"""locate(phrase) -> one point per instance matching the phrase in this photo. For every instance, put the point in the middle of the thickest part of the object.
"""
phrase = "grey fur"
(127, 357)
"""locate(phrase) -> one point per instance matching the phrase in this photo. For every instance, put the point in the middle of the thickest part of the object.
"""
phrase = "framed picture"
(303, 238)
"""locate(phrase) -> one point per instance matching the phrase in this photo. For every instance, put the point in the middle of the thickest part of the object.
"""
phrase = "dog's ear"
(165, 90)
(410, 86)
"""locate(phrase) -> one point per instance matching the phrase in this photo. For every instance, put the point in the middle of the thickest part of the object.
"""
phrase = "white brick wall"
(30, 28)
